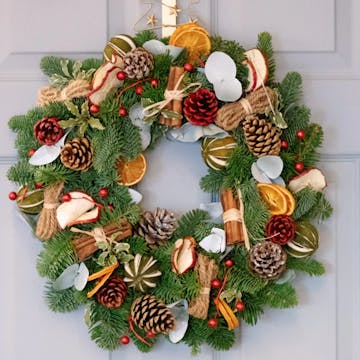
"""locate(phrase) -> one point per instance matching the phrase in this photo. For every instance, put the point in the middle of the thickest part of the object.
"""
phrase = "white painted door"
(317, 38)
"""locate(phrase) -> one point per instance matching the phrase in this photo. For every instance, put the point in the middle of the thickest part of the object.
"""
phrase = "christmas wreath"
(141, 273)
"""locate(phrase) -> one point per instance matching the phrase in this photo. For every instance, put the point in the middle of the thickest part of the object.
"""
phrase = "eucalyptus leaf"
(113, 259)
(76, 69)
(85, 109)
(58, 81)
(124, 258)
(146, 102)
(82, 128)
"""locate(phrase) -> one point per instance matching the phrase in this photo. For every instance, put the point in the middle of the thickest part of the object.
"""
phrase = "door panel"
(319, 39)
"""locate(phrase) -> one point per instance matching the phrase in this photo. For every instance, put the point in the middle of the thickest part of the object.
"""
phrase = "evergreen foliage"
(265, 46)
(112, 137)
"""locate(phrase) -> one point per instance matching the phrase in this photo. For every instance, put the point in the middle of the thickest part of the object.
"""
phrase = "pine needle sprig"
(57, 254)
(297, 117)
(142, 36)
(279, 296)
(22, 173)
(264, 44)
(221, 338)
(253, 310)
(106, 326)
(53, 173)
(310, 266)
(63, 300)
(189, 221)
(213, 181)
(290, 90)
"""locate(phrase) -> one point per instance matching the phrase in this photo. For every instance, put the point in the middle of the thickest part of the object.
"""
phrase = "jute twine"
(75, 89)
(206, 270)
(257, 102)
(47, 224)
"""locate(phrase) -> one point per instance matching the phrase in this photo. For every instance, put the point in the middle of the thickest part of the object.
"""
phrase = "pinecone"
(112, 294)
(262, 137)
(77, 154)
(138, 63)
(267, 260)
(156, 228)
(151, 314)
(280, 229)
(200, 107)
(48, 131)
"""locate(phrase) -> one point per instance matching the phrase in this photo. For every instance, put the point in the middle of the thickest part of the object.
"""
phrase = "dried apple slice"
(312, 178)
(258, 69)
(184, 255)
(81, 209)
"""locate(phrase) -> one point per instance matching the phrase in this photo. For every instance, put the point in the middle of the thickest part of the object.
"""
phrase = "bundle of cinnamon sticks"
(85, 244)
(175, 74)
(234, 224)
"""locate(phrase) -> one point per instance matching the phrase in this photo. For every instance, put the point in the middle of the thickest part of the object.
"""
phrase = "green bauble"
(216, 151)
(306, 240)
(142, 273)
(32, 202)
(118, 45)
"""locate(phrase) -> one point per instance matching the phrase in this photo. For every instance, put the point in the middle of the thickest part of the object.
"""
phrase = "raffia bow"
(170, 95)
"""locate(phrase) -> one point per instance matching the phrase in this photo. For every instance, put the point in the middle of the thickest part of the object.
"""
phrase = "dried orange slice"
(279, 200)
(131, 172)
(192, 37)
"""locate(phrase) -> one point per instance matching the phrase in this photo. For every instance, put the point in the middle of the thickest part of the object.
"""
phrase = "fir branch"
(51, 65)
(57, 255)
(162, 64)
(238, 168)
(264, 44)
(314, 138)
(17, 122)
(221, 338)
(189, 221)
(290, 89)
(213, 181)
(157, 132)
(25, 141)
(142, 36)
(197, 333)
(22, 173)
(91, 63)
(63, 300)
(308, 265)
(131, 145)
(312, 205)
(106, 326)
(253, 310)
(279, 296)
(53, 173)
(289, 159)
(305, 200)
(256, 214)
(137, 245)
(297, 117)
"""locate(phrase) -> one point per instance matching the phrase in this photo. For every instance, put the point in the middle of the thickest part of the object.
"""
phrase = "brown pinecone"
(138, 63)
(151, 314)
(280, 229)
(200, 107)
(262, 137)
(77, 154)
(48, 131)
(156, 228)
(112, 294)
(267, 260)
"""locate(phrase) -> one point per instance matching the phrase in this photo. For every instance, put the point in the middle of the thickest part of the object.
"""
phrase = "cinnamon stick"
(85, 244)
(177, 104)
(170, 86)
(232, 218)
(175, 74)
